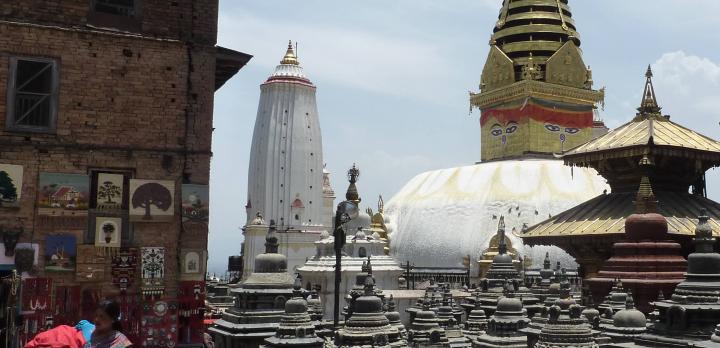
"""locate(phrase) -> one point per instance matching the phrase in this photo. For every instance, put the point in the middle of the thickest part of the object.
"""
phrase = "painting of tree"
(109, 191)
(152, 194)
(8, 191)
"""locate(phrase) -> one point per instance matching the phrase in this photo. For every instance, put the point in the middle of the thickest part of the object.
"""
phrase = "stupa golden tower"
(536, 93)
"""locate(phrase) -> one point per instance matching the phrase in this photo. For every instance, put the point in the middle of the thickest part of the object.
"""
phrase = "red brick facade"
(137, 99)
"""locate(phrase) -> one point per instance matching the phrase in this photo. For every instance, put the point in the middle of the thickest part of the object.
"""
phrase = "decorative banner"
(108, 232)
(90, 273)
(36, 307)
(109, 191)
(153, 270)
(63, 194)
(11, 179)
(60, 252)
(160, 324)
(123, 268)
(195, 202)
(67, 305)
(191, 302)
(151, 200)
(192, 264)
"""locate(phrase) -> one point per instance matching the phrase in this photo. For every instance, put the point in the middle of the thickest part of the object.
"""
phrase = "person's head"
(107, 317)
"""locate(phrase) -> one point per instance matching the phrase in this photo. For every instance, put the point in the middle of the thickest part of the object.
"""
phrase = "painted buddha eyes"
(556, 128)
(497, 130)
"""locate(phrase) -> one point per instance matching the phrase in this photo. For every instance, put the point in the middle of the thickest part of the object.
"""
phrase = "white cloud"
(365, 60)
(688, 87)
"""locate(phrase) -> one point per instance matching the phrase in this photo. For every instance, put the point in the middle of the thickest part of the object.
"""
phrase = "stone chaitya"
(393, 317)
(259, 300)
(425, 331)
(502, 272)
(368, 325)
(648, 261)
(476, 322)
(296, 329)
(566, 327)
(624, 325)
(505, 324)
(449, 318)
(690, 317)
(541, 288)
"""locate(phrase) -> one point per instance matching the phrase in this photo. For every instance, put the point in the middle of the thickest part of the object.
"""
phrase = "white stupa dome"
(441, 216)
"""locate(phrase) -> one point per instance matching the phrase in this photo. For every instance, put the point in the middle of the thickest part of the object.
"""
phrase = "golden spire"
(645, 201)
(290, 57)
(649, 105)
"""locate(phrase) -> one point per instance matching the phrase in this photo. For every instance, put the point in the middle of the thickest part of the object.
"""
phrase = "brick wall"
(125, 102)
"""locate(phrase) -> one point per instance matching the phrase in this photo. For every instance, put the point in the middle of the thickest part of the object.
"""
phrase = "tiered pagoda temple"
(259, 300)
(680, 156)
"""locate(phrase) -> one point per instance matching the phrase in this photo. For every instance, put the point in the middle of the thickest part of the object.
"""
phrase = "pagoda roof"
(648, 133)
(634, 137)
(605, 215)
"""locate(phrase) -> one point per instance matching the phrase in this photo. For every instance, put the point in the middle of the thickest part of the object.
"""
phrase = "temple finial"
(290, 57)
(649, 105)
(271, 240)
(352, 193)
(502, 247)
(645, 201)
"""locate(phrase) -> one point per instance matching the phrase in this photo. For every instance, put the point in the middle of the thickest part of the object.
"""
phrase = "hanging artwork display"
(192, 264)
(67, 305)
(152, 200)
(109, 191)
(153, 270)
(160, 324)
(60, 253)
(63, 194)
(108, 232)
(191, 303)
(36, 306)
(195, 202)
(123, 268)
(11, 180)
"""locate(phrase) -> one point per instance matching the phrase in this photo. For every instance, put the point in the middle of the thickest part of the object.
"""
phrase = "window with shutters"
(32, 95)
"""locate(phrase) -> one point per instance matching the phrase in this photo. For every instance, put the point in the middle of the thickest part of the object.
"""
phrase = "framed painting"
(195, 202)
(63, 194)
(193, 264)
(60, 252)
(109, 191)
(152, 200)
(108, 231)
(11, 180)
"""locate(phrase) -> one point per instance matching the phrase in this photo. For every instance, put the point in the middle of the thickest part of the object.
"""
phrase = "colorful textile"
(62, 336)
(114, 339)
(86, 328)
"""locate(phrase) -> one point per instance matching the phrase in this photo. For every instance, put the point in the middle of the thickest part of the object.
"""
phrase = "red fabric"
(565, 118)
(62, 336)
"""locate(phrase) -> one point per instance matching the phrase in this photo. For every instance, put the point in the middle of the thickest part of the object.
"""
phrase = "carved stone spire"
(271, 240)
(502, 247)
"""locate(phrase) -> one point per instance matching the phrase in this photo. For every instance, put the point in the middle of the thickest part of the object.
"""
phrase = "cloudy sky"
(393, 80)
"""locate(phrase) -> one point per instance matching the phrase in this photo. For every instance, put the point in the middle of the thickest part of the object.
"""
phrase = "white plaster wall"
(286, 160)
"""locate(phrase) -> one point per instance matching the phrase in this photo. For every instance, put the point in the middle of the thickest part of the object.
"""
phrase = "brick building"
(105, 145)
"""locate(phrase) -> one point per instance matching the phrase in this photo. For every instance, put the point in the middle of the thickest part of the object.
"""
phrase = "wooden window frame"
(10, 119)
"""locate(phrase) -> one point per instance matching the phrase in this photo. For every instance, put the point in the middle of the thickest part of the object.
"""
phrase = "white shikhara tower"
(285, 179)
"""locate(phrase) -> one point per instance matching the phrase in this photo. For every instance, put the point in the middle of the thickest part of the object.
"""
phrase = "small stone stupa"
(296, 329)
(505, 324)
(259, 300)
(368, 325)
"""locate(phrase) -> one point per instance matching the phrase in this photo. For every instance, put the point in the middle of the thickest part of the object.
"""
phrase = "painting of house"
(62, 194)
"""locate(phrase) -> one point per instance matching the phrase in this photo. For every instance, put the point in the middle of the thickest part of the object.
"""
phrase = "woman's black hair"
(112, 309)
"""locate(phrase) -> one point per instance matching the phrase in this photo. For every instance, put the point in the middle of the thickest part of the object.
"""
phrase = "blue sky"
(393, 80)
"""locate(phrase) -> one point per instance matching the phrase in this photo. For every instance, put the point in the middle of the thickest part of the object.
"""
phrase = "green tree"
(8, 191)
